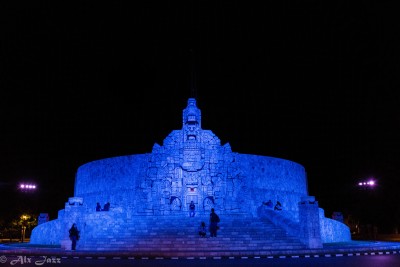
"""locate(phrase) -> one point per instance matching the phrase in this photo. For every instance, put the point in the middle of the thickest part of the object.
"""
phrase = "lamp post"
(367, 204)
(24, 219)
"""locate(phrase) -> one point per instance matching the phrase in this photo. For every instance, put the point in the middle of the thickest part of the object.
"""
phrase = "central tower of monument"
(193, 166)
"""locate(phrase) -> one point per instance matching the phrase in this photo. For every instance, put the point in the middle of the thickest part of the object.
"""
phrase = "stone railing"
(281, 219)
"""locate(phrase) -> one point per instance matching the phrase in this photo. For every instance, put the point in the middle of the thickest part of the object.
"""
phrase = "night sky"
(314, 82)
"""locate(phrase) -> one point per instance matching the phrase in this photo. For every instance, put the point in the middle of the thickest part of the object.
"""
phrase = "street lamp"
(24, 219)
(27, 187)
(370, 183)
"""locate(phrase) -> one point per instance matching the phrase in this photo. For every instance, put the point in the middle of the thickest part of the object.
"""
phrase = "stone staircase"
(167, 235)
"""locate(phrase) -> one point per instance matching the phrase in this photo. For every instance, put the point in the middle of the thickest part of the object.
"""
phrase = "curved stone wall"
(49, 233)
(275, 179)
(117, 179)
(333, 231)
(273, 173)
(110, 180)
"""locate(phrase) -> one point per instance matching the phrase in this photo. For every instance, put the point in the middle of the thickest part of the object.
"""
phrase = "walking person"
(214, 220)
(192, 208)
(74, 235)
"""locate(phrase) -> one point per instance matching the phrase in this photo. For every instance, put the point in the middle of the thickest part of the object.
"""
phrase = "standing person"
(74, 235)
(98, 207)
(192, 207)
(214, 220)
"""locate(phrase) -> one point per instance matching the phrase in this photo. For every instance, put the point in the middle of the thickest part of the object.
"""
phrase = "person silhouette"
(98, 207)
(74, 235)
(192, 208)
(278, 206)
(214, 220)
(268, 204)
(202, 229)
(106, 206)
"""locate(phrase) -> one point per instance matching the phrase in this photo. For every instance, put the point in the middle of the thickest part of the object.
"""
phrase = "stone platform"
(176, 236)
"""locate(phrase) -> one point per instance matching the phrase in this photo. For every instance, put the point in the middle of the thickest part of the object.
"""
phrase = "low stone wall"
(48, 233)
(333, 231)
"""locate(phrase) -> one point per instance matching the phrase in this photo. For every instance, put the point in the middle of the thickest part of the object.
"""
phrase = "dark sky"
(315, 82)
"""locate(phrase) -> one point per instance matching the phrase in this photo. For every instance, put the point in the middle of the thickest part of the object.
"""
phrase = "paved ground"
(342, 261)
(334, 249)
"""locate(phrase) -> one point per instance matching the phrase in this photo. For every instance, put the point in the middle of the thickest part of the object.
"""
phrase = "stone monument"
(190, 165)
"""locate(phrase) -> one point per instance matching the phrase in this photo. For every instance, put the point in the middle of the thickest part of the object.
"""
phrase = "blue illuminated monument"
(150, 195)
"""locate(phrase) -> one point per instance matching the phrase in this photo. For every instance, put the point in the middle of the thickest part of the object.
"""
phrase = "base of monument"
(66, 244)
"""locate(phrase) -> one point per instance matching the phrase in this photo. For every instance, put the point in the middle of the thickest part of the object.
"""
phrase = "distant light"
(27, 187)
(367, 184)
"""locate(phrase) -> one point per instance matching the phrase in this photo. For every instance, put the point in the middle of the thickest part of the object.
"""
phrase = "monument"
(190, 165)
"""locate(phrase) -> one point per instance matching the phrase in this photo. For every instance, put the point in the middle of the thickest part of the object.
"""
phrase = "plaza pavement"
(356, 248)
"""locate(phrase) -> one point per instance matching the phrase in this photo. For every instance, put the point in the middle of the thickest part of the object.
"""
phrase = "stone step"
(186, 245)
(171, 233)
(131, 247)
